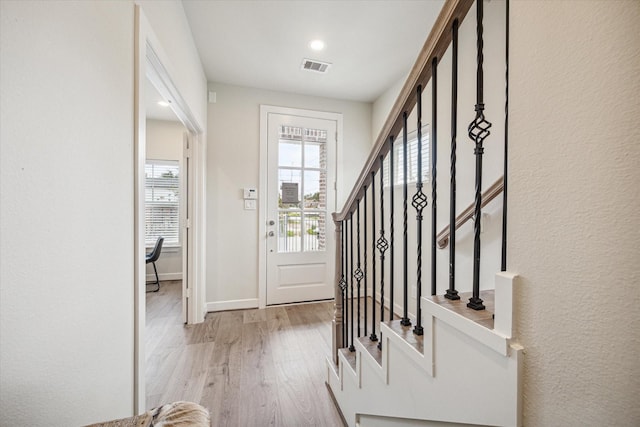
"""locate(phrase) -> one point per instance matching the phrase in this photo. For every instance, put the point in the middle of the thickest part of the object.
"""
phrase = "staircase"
(452, 358)
(463, 370)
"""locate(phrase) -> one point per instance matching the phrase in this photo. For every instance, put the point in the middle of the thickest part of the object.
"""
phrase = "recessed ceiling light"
(316, 45)
(163, 103)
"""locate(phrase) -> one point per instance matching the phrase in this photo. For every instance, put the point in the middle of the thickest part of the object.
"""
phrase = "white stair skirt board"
(468, 374)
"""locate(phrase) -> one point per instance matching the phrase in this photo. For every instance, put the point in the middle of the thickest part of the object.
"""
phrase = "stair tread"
(350, 356)
(481, 317)
(372, 349)
(406, 333)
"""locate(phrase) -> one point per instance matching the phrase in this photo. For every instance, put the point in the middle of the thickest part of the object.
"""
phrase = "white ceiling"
(261, 43)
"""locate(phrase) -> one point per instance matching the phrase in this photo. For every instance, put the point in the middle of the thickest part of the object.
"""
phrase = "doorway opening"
(151, 75)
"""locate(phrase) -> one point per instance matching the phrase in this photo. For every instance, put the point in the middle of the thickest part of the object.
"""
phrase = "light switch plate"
(250, 205)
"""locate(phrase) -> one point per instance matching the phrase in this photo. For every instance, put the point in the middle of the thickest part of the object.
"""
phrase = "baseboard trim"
(237, 304)
(164, 277)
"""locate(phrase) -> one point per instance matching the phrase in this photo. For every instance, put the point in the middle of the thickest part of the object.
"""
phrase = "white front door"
(301, 156)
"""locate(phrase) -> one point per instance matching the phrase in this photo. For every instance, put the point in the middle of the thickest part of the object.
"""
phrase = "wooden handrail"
(437, 43)
(489, 194)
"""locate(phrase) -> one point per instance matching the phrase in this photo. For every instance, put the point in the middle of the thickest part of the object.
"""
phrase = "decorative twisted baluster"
(341, 285)
(391, 228)
(345, 288)
(373, 336)
(357, 274)
(434, 159)
(419, 202)
(351, 346)
(478, 132)
(364, 238)
(452, 294)
(382, 244)
(405, 253)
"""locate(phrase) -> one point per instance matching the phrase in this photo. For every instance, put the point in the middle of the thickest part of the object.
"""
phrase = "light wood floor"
(247, 367)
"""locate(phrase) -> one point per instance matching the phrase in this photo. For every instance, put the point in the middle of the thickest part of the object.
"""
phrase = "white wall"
(66, 264)
(67, 204)
(573, 209)
(164, 139)
(164, 142)
(233, 163)
(382, 106)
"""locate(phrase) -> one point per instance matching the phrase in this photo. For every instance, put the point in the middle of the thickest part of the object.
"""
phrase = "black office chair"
(152, 257)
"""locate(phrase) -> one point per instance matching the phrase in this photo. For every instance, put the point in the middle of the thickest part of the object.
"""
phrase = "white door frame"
(265, 110)
(150, 62)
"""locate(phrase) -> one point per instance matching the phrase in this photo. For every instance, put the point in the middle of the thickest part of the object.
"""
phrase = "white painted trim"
(142, 32)
(488, 337)
(237, 304)
(262, 204)
(164, 277)
(364, 354)
(332, 373)
(346, 367)
(151, 62)
(423, 361)
(503, 323)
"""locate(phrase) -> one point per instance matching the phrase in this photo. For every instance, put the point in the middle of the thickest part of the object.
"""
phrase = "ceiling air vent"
(316, 66)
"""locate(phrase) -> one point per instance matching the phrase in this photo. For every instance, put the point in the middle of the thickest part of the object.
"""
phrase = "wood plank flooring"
(247, 367)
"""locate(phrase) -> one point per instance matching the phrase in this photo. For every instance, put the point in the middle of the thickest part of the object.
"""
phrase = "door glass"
(302, 183)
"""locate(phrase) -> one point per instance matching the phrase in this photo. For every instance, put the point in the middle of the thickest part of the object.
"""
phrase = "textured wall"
(66, 203)
(574, 203)
(66, 301)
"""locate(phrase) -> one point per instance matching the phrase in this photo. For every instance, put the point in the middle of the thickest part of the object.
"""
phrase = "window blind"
(412, 159)
(162, 202)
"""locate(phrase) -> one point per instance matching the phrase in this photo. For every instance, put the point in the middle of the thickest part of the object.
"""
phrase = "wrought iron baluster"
(342, 283)
(373, 336)
(345, 284)
(419, 202)
(434, 159)
(351, 346)
(405, 255)
(503, 261)
(364, 239)
(358, 273)
(478, 132)
(452, 294)
(391, 228)
(382, 244)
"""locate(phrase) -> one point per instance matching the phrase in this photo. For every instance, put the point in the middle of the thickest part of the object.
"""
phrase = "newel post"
(337, 327)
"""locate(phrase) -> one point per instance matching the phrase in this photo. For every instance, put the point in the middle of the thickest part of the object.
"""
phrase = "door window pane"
(314, 227)
(289, 231)
(286, 177)
(315, 155)
(290, 154)
(315, 189)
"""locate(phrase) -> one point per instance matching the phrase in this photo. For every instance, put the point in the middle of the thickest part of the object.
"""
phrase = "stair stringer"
(469, 376)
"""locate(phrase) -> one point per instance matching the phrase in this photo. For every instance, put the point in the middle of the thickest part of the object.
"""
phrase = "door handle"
(271, 234)
(272, 222)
